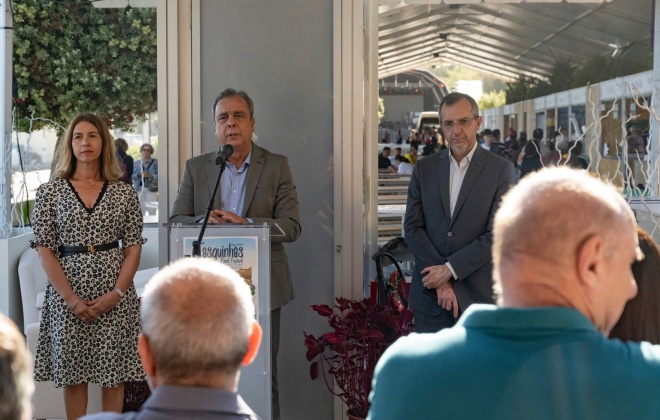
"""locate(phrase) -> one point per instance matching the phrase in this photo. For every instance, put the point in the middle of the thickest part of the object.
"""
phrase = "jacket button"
(449, 234)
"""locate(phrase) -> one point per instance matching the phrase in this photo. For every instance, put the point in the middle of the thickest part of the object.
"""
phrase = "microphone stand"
(196, 245)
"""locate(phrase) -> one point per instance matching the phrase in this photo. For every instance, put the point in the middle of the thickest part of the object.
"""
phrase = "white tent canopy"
(509, 38)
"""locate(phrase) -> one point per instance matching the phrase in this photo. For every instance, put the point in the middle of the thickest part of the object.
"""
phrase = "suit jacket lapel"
(473, 171)
(443, 173)
(254, 172)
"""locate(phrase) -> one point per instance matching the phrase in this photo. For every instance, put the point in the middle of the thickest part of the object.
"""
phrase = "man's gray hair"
(230, 93)
(16, 385)
(197, 315)
(455, 97)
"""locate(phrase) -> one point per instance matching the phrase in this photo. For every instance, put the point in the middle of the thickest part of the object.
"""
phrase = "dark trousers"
(274, 347)
(425, 323)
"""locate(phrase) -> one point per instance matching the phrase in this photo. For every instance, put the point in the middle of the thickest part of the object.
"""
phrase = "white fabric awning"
(507, 37)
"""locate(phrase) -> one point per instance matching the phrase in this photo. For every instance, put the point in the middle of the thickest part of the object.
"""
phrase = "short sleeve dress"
(69, 351)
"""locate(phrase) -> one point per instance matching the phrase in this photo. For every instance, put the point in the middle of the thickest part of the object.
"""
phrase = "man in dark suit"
(256, 187)
(452, 198)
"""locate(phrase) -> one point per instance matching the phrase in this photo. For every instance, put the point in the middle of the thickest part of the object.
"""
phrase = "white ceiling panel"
(511, 38)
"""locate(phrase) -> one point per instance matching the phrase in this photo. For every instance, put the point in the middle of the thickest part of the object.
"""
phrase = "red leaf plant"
(360, 332)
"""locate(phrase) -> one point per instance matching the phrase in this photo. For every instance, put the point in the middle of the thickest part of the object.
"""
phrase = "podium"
(246, 249)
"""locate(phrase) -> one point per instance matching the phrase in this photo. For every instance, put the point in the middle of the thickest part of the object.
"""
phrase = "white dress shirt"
(457, 173)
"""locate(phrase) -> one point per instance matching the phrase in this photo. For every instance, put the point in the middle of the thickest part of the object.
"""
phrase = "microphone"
(224, 154)
(222, 157)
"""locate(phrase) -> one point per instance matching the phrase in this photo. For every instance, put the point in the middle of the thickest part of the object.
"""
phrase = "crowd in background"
(527, 155)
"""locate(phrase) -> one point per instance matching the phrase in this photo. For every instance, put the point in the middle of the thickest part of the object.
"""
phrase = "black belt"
(66, 251)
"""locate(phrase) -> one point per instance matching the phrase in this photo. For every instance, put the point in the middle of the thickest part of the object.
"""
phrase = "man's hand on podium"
(222, 216)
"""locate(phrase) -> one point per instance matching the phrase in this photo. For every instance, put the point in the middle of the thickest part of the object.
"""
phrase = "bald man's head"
(543, 224)
(546, 215)
(198, 315)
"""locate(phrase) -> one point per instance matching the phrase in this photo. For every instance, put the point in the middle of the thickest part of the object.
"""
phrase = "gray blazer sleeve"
(283, 208)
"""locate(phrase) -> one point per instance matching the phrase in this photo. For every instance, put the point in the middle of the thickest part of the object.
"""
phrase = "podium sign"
(246, 249)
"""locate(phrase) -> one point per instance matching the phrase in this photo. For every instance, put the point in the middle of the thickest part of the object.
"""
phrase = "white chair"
(47, 401)
(141, 279)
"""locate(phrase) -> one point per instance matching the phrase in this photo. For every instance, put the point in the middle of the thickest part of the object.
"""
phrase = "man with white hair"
(198, 328)
(563, 247)
(16, 385)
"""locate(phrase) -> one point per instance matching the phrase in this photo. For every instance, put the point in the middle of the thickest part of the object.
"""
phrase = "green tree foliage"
(601, 68)
(525, 87)
(492, 99)
(70, 57)
(561, 75)
(564, 75)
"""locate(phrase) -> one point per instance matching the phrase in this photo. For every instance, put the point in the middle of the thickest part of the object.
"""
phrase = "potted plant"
(360, 331)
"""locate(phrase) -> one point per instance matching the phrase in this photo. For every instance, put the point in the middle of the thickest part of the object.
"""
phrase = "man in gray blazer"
(256, 187)
(452, 199)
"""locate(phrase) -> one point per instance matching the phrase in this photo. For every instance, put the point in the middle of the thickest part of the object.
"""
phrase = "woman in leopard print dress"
(90, 318)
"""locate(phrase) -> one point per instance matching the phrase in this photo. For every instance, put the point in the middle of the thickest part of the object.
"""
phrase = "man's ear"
(144, 348)
(590, 259)
(253, 346)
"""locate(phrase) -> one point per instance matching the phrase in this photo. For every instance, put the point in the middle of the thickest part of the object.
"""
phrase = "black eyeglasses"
(464, 122)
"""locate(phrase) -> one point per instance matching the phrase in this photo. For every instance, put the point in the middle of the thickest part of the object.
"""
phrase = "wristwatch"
(118, 290)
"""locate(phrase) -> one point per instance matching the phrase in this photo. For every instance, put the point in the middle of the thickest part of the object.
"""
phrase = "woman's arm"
(129, 267)
(154, 169)
(56, 275)
(137, 170)
(107, 301)
(61, 284)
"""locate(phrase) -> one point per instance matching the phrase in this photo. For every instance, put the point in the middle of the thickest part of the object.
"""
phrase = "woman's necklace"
(91, 182)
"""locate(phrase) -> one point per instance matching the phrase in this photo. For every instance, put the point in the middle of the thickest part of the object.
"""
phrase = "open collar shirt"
(232, 187)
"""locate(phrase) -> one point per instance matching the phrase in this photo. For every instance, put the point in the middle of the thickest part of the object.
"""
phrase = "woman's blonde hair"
(66, 160)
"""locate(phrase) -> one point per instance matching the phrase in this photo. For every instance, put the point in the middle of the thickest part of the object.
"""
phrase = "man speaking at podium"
(256, 187)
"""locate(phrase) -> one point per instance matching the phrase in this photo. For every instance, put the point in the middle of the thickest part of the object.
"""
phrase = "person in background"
(16, 385)
(125, 160)
(397, 152)
(640, 320)
(411, 156)
(635, 140)
(386, 136)
(198, 329)
(403, 166)
(542, 352)
(522, 142)
(384, 161)
(415, 139)
(90, 316)
(146, 168)
(511, 145)
(575, 158)
(487, 138)
(428, 149)
(496, 145)
(435, 139)
(530, 159)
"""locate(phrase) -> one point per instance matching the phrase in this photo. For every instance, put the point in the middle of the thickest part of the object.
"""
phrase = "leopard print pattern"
(69, 351)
